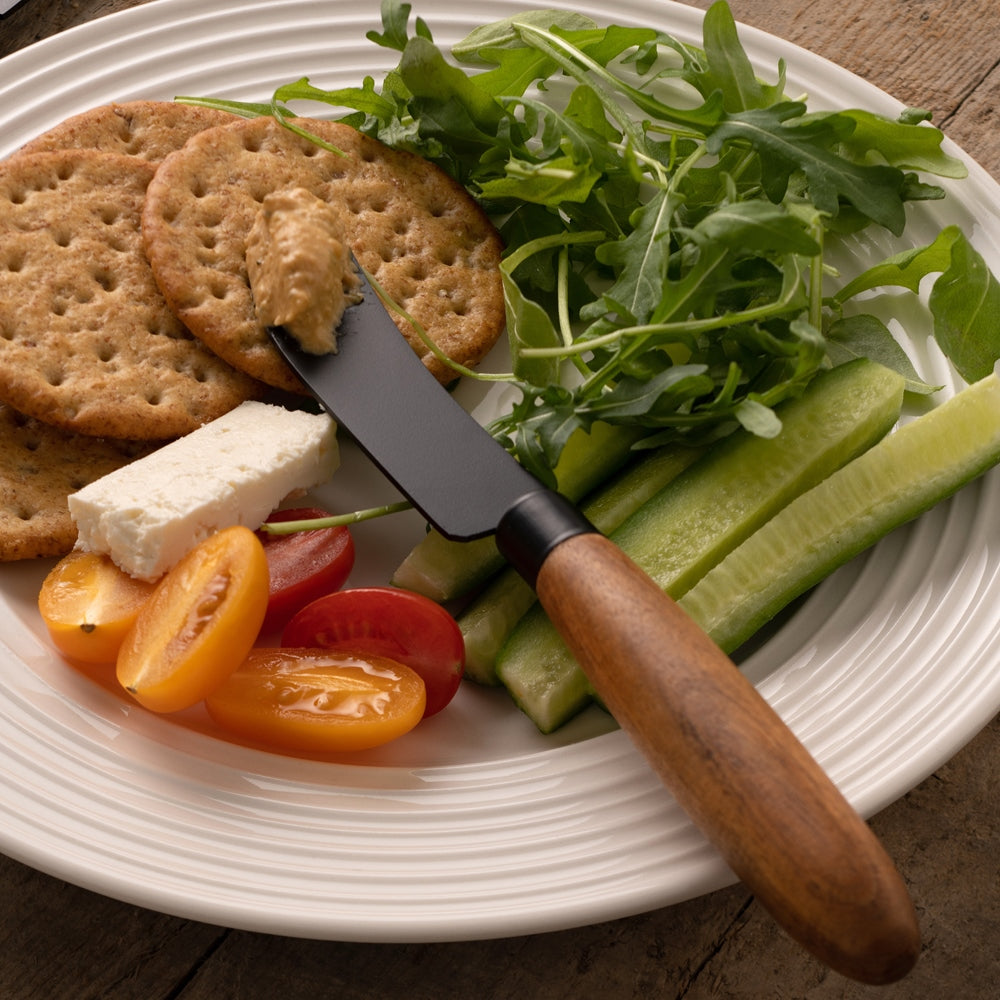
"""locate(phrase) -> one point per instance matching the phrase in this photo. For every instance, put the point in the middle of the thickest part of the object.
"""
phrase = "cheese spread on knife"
(300, 268)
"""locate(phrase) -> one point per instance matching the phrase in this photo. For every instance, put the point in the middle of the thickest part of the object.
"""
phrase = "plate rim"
(703, 871)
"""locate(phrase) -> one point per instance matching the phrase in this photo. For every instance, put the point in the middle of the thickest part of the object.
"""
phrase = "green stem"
(335, 520)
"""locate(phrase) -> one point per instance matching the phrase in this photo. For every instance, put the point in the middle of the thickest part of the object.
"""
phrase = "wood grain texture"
(58, 942)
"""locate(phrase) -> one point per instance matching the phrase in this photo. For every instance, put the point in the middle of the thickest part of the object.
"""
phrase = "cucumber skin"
(848, 513)
(489, 619)
(445, 570)
(534, 648)
(746, 479)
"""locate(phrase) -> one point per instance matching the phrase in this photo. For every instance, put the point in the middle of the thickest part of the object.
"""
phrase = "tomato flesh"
(316, 701)
(386, 621)
(303, 565)
(88, 605)
(199, 623)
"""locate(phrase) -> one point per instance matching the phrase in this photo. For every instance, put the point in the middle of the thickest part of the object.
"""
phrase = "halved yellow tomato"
(315, 701)
(199, 623)
(88, 605)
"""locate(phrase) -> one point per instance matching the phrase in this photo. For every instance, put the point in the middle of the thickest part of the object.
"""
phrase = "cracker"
(87, 343)
(424, 238)
(146, 129)
(39, 467)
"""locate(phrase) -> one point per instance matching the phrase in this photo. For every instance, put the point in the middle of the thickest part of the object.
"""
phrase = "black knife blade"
(449, 467)
(729, 760)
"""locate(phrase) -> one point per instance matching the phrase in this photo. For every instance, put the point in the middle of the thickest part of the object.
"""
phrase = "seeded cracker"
(87, 343)
(423, 237)
(146, 129)
(39, 467)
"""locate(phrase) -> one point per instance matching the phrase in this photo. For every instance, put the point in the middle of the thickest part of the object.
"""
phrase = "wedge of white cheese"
(234, 470)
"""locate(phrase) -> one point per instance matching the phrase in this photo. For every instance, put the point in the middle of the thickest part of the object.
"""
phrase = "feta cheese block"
(234, 470)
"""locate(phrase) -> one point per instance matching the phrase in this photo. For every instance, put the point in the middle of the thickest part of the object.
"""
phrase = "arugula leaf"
(395, 19)
(641, 259)
(866, 336)
(728, 69)
(668, 216)
(900, 144)
(504, 33)
(786, 146)
(965, 304)
(907, 268)
(363, 98)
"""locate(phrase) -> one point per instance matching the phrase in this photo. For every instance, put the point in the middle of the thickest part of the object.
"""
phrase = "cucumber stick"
(489, 619)
(444, 570)
(924, 462)
(697, 519)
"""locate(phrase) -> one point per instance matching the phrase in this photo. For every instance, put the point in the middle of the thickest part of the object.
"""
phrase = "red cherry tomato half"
(384, 621)
(311, 700)
(303, 565)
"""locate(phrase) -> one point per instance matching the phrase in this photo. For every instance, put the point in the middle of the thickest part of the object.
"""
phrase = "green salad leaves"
(667, 216)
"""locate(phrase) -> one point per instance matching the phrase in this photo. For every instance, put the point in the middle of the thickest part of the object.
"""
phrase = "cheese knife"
(742, 776)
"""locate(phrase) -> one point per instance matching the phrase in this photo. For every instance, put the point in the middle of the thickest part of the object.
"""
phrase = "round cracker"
(422, 236)
(87, 342)
(149, 130)
(39, 467)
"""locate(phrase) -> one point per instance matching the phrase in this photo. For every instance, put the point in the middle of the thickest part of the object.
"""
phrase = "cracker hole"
(108, 214)
(209, 240)
(62, 237)
(18, 197)
(153, 397)
(55, 378)
(251, 143)
(197, 188)
(78, 483)
(14, 263)
(59, 307)
(107, 280)
(106, 352)
(65, 171)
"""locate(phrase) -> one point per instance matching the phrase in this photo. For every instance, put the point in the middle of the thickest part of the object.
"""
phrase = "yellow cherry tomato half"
(88, 605)
(199, 623)
(318, 701)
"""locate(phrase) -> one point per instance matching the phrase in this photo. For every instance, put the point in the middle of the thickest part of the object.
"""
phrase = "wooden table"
(58, 941)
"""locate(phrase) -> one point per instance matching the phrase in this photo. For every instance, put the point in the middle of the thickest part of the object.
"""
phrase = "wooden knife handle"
(729, 760)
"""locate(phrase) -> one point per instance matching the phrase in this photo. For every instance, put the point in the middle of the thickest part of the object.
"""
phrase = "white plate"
(473, 826)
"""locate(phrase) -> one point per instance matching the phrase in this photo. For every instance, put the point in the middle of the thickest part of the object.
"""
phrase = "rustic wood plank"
(34, 20)
(60, 942)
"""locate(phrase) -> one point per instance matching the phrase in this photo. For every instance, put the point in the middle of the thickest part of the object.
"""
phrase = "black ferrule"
(534, 526)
